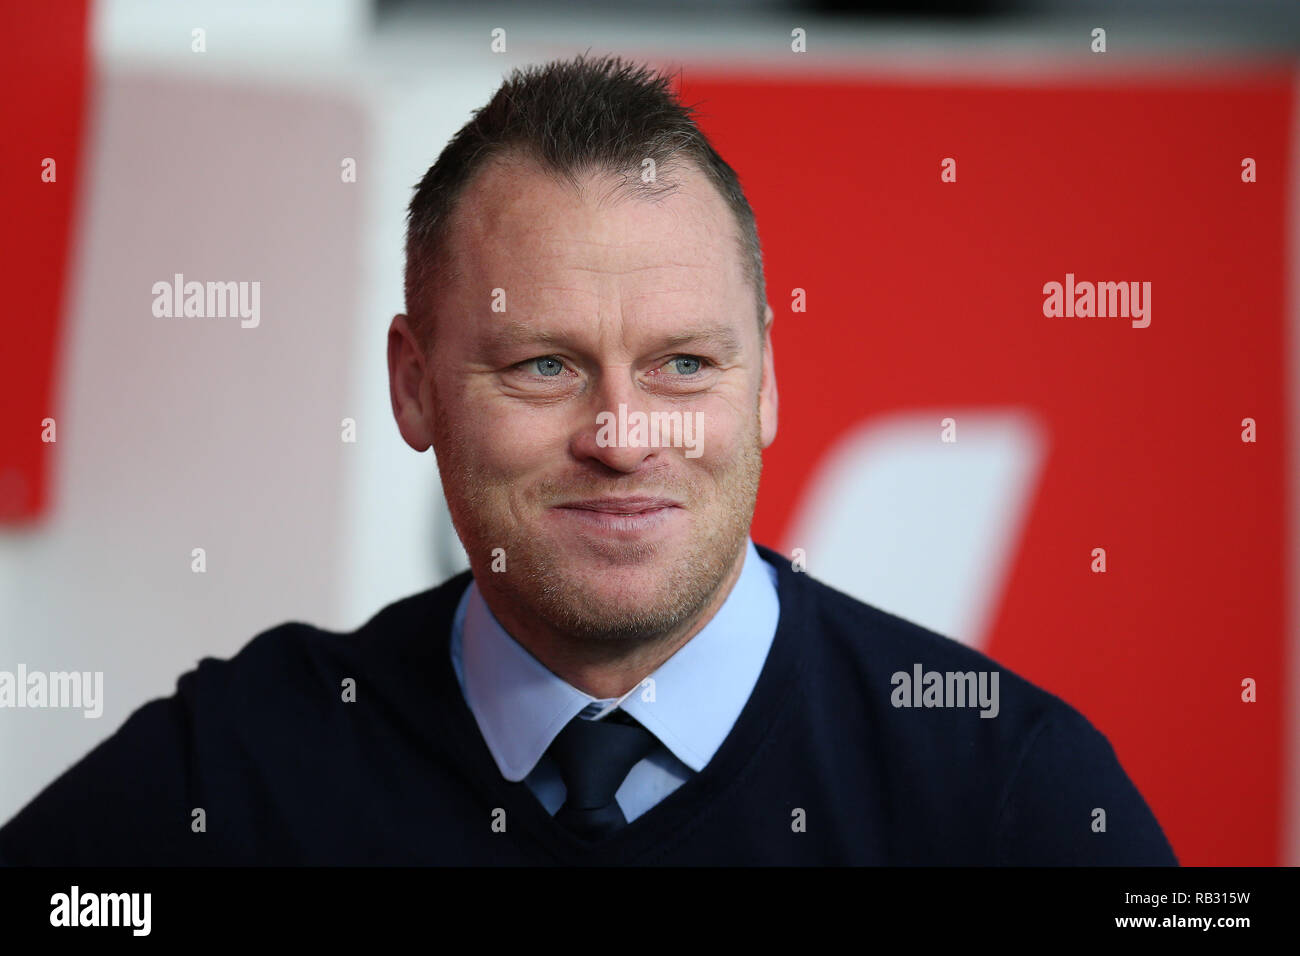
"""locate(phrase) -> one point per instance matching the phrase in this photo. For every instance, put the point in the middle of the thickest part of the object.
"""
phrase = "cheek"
(509, 443)
(727, 435)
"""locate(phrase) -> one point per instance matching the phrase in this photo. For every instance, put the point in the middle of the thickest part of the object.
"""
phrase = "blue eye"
(548, 366)
(690, 368)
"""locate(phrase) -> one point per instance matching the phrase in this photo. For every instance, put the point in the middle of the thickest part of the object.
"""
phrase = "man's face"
(566, 305)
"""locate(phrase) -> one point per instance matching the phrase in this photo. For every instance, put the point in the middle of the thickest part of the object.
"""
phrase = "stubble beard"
(540, 583)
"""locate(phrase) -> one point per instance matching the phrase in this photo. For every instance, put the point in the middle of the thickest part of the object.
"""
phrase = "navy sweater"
(822, 767)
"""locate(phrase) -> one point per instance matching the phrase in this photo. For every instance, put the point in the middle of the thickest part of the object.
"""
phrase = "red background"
(928, 295)
(42, 111)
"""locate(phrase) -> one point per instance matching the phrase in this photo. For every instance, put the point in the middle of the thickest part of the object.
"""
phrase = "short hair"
(570, 117)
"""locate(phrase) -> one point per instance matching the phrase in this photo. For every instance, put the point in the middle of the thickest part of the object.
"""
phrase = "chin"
(636, 603)
(623, 585)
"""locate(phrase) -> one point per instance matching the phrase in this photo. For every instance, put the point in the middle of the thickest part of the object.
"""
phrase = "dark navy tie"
(594, 757)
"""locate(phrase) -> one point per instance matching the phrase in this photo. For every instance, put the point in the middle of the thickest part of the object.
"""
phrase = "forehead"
(517, 222)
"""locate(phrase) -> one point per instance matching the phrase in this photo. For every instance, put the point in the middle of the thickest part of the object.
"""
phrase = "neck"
(606, 668)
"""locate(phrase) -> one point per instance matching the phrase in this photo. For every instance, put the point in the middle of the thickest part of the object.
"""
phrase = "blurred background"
(279, 143)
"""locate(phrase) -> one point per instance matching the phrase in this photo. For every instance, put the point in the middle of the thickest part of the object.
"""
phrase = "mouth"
(622, 506)
(621, 518)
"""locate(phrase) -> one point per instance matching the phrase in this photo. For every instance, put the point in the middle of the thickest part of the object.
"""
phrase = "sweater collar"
(696, 695)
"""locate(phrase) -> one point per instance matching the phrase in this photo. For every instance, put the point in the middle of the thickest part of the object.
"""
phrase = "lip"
(620, 519)
(621, 506)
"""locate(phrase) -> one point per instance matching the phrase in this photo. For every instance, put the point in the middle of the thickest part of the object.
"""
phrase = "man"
(623, 677)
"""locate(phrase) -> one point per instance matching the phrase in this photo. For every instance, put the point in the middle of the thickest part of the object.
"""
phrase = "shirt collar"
(690, 703)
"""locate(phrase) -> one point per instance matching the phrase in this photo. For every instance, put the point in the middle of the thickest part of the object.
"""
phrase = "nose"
(613, 429)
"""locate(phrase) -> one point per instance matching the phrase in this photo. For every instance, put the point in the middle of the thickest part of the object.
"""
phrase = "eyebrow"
(514, 333)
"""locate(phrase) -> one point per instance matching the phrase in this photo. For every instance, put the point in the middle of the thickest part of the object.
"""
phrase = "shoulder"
(251, 740)
(975, 742)
(882, 652)
(301, 668)
(923, 700)
(296, 646)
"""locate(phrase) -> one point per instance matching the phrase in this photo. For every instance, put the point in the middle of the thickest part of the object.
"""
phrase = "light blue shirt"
(690, 702)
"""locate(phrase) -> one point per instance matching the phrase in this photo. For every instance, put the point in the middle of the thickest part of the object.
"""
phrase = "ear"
(767, 397)
(412, 401)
